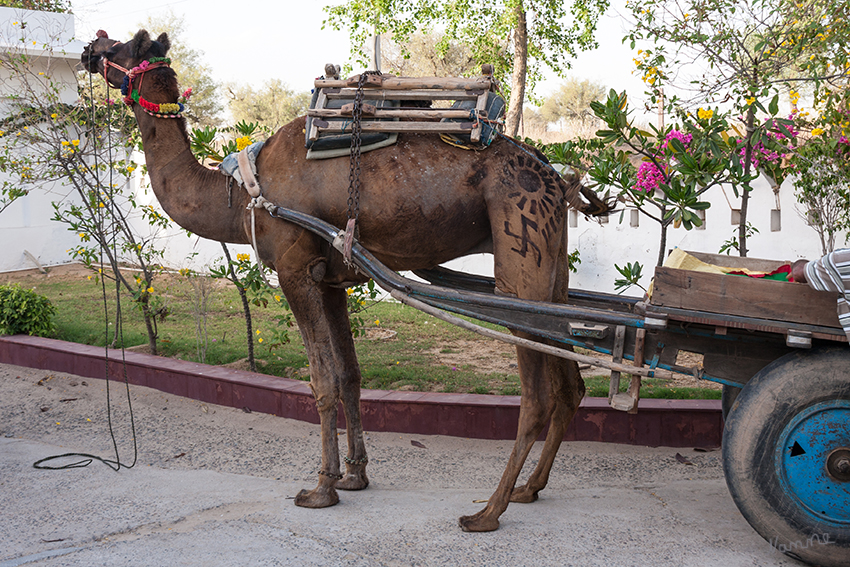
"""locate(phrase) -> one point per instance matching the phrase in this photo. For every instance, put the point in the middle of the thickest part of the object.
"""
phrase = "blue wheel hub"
(813, 461)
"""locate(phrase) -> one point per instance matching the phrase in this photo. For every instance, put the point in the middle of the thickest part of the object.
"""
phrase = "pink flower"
(649, 177)
(684, 138)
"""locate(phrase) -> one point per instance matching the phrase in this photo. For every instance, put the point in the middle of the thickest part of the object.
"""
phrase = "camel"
(422, 203)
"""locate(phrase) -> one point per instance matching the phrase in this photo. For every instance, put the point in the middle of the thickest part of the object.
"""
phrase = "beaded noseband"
(131, 94)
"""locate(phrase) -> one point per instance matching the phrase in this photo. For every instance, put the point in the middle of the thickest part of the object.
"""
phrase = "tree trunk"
(246, 308)
(514, 115)
(150, 326)
(745, 193)
(663, 245)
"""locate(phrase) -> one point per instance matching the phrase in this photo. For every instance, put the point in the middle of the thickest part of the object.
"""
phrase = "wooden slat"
(415, 113)
(743, 296)
(412, 83)
(481, 110)
(379, 94)
(321, 101)
(370, 126)
(753, 264)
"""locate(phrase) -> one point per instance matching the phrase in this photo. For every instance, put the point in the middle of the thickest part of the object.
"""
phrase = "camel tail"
(595, 207)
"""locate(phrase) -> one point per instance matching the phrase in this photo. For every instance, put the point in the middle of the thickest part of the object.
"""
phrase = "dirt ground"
(486, 355)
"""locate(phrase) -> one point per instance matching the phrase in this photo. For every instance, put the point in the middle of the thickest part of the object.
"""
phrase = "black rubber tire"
(727, 400)
(751, 438)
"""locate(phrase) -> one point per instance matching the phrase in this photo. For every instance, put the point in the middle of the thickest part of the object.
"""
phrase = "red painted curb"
(671, 423)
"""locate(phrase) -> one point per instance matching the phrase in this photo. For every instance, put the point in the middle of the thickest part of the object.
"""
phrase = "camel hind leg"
(567, 390)
(528, 247)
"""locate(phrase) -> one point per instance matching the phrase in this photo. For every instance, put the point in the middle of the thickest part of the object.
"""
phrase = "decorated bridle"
(131, 93)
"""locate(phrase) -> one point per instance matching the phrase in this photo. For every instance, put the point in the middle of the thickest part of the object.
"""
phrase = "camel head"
(117, 55)
(124, 66)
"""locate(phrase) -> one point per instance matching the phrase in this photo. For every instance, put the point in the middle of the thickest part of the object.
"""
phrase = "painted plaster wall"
(26, 226)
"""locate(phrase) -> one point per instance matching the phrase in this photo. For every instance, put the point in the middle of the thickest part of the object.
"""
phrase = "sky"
(284, 39)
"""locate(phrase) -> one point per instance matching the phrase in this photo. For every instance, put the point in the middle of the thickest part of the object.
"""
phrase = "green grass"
(406, 361)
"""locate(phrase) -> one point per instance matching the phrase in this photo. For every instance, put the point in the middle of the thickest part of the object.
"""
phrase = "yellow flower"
(65, 142)
(377, 322)
(260, 340)
(258, 331)
(705, 114)
(54, 115)
(277, 298)
(75, 143)
(817, 131)
(751, 100)
(131, 169)
(82, 235)
(101, 205)
(150, 289)
(243, 257)
(89, 277)
(242, 143)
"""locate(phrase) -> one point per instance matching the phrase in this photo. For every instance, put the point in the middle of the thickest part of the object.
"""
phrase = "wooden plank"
(481, 110)
(617, 356)
(753, 264)
(380, 94)
(415, 113)
(743, 296)
(370, 126)
(717, 320)
(635, 383)
(412, 83)
(321, 101)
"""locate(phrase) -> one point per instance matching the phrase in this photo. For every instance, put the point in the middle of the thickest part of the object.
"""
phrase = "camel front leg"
(324, 494)
(308, 301)
(336, 303)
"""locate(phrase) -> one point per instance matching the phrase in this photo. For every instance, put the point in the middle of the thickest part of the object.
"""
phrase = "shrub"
(23, 311)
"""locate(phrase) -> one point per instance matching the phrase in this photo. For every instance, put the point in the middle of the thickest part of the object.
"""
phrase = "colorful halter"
(131, 95)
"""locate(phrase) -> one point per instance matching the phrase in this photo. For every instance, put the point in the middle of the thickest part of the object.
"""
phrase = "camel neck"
(194, 196)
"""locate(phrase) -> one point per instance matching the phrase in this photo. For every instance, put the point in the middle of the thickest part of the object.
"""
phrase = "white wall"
(602, 246)
(26, 225)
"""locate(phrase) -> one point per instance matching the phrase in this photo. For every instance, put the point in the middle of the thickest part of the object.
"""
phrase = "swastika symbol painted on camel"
(540, 202)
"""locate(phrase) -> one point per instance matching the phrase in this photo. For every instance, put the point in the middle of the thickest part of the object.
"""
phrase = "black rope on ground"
(115, 464)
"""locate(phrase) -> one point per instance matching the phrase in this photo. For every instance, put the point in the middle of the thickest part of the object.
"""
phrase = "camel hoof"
(353, 481)
(316, 498)
(524, 495)
(478, 523)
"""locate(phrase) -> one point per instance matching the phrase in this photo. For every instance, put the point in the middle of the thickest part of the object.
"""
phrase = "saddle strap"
(247, 173)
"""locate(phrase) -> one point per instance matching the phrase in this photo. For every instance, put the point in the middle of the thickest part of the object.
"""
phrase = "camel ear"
(141, 44)
(166, 43)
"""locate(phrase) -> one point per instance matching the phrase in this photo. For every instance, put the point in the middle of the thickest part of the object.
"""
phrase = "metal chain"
(354, 158)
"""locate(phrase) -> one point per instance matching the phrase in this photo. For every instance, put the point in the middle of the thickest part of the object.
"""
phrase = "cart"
(776, 348)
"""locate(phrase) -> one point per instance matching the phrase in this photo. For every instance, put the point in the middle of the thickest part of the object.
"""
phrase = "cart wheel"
(727, 399)
(786, 455)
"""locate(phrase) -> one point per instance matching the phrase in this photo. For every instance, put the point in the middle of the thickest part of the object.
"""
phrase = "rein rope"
(114, 464)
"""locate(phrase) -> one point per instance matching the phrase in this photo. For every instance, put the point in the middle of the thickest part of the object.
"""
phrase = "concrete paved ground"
(213, 486)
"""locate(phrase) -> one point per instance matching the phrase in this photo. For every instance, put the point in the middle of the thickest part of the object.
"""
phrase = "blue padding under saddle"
(495, 110)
